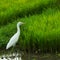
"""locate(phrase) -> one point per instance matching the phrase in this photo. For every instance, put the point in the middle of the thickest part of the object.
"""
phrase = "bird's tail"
(7, 47)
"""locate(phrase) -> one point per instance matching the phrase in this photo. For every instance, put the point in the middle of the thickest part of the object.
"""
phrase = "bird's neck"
(18, 29)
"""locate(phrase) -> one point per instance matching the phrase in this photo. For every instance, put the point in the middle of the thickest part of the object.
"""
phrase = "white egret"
(15, 37)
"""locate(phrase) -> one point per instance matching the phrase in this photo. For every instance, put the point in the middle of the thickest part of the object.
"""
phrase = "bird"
(13, 40)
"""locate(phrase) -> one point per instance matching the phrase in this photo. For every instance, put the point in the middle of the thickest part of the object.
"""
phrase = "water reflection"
(18, 56)
(42, 57)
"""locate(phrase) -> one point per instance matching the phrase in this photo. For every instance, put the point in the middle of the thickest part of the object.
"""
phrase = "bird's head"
(20, 23)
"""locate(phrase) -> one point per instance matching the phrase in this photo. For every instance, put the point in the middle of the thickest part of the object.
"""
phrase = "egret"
(15, 37)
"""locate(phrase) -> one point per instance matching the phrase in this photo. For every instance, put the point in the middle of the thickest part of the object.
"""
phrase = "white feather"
(13, 40)
(15, 37)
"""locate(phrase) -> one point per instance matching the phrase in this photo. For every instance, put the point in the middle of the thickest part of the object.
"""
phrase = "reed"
(40, 32)
(11, 10)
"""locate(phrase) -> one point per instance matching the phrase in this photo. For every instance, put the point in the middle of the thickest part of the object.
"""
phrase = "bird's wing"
(13, 40)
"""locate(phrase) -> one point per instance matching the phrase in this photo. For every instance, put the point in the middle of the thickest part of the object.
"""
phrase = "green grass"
(41, 31)
(11, 10)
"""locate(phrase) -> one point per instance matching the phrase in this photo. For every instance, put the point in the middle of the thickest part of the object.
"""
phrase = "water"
(18, 56)
(42, 57)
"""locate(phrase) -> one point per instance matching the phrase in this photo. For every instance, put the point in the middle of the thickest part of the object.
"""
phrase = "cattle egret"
(15, 37)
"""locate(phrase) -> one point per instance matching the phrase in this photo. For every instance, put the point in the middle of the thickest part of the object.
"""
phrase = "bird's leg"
(15, 50)
(11, 53)
(12, 50)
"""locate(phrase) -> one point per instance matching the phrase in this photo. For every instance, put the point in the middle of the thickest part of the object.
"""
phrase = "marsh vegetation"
(41, 32)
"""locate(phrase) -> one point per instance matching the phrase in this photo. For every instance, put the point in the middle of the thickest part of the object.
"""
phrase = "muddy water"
(42, 57)
(33, 57)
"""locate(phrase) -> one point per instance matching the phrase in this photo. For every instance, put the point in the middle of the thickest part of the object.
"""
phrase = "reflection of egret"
(15, 37)
(16, 57)
(3, 58)
(0, 59)
(9, 58)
